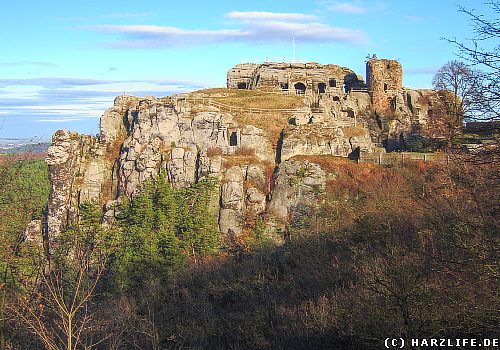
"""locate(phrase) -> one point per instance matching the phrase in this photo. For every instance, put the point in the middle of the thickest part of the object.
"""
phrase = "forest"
(391, 252)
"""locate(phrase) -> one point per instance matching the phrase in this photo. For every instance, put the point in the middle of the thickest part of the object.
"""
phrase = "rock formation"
(294, 77)
(199, 135)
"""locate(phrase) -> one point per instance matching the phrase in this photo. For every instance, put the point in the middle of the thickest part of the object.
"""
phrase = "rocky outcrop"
(232, 201)
(301, 77)
(62, 159)
(242, 195)
(321, 139)
(190, 139)
(161, 136)
(296, 190)
(141, 137)
(78, 172)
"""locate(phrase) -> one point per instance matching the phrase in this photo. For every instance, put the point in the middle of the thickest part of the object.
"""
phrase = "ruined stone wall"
(384, 80)
(241, 75)
(284, 76)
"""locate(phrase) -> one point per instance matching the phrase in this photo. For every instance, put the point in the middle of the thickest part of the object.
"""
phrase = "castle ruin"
(298, 78)
(384, 79)
(398, 118)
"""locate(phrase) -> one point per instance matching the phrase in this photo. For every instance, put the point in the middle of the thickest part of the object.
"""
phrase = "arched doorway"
(242, 86)
(321, 88)
(300, 88)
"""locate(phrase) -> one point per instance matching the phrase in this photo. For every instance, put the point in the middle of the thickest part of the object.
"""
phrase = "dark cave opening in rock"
(300, 88)
(233, 139)
(321, 88)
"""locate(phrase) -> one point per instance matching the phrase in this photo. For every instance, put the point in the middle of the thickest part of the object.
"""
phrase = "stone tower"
(384, 80)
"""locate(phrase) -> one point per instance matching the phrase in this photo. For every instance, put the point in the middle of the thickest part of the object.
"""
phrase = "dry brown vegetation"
(21, 157)
(271, 122)
(354, 131)
(254, 98)
(242, 156)
(391, 252)
(214, 151)
(387, 254)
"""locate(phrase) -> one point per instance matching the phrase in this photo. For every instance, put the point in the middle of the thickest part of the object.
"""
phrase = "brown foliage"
(407, 251)
(214, 151)
(243, 156)
(352, 131)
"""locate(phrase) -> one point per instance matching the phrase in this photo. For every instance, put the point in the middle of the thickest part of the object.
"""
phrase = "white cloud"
(152, 35)
(345, 7)
(313, 32)
(37, 64)
(266, 16)
(52, 100)
(253, 27)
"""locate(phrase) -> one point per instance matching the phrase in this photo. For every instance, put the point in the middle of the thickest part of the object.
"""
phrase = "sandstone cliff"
(251, 151)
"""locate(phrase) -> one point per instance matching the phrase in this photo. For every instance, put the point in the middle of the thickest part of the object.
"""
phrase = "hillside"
(260, 217)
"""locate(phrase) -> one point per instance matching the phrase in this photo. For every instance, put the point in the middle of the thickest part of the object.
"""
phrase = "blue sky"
(63, 62)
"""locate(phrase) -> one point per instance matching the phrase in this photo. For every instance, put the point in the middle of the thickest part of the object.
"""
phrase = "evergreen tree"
(159, 227)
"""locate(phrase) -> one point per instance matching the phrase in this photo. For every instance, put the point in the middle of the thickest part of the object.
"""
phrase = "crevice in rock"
(279, 146)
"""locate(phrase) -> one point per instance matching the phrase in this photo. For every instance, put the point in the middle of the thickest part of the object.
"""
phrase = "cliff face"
(214, 134)
(80, 170)
(190, 141)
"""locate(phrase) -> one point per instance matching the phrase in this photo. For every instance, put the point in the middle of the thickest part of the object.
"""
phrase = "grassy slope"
(271, 122)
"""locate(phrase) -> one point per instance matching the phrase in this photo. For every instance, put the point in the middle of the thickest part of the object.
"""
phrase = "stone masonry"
(385, 81)
(298, 78)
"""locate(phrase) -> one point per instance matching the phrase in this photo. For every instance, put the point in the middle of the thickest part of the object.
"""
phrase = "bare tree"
(55, 301)
(460, 89)
(464, 83)
(59, 317)
(483, 52)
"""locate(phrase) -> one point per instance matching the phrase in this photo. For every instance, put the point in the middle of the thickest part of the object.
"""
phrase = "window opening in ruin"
(385, 87)
(300, 88)
(321, 88)
(233, 139)
(393, 104)
(336, 99)
(242, 86)
(284, 87)
(333, 83)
